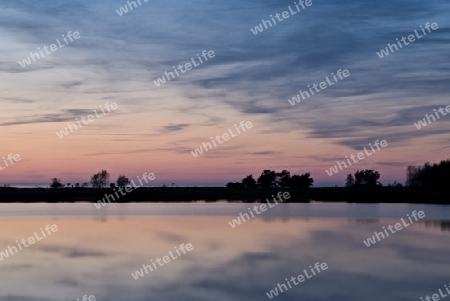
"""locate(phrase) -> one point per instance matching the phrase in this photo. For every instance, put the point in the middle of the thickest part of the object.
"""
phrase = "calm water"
(95, 251)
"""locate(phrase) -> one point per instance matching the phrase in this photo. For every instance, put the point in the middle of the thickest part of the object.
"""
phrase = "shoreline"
(216, 194)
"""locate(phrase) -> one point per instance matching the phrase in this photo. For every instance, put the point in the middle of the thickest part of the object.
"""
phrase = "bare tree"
(350, 181)
(100, 179)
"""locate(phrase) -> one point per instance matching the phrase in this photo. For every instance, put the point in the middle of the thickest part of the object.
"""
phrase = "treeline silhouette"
(364, 178)
(425, 184)
(436, 176)
(98, 180)
(427, 176)
(271, 179)
(368, 178)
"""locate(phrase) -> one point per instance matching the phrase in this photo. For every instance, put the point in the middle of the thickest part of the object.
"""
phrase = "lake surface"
(95, 251)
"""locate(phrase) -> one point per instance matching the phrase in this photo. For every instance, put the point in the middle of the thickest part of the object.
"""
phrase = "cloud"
(63, 116)
(172, 238)
(263, 153)
(71, 252)
(173, 128)
(19, 100)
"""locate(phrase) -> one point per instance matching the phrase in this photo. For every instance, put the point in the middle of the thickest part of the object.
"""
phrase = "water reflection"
(442, 225)
(96, 256)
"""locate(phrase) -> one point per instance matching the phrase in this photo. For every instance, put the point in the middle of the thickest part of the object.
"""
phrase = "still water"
(94, 252)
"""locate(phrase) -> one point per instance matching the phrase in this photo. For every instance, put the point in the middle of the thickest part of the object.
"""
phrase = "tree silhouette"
(56, 183)
(413, 176)
(270, 178)
(248, 182)
(100, 179)
(122, 181)
(367, 178)
(350, 181)
(395, 184)
(301, 181)
(435, 176)
(267, 178)
(283, 178)
(234, 185)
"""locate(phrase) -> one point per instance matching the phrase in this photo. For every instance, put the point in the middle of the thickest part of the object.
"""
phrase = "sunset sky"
(251, 78)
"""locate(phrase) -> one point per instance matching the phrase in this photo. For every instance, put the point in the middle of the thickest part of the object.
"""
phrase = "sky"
(251, 78)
